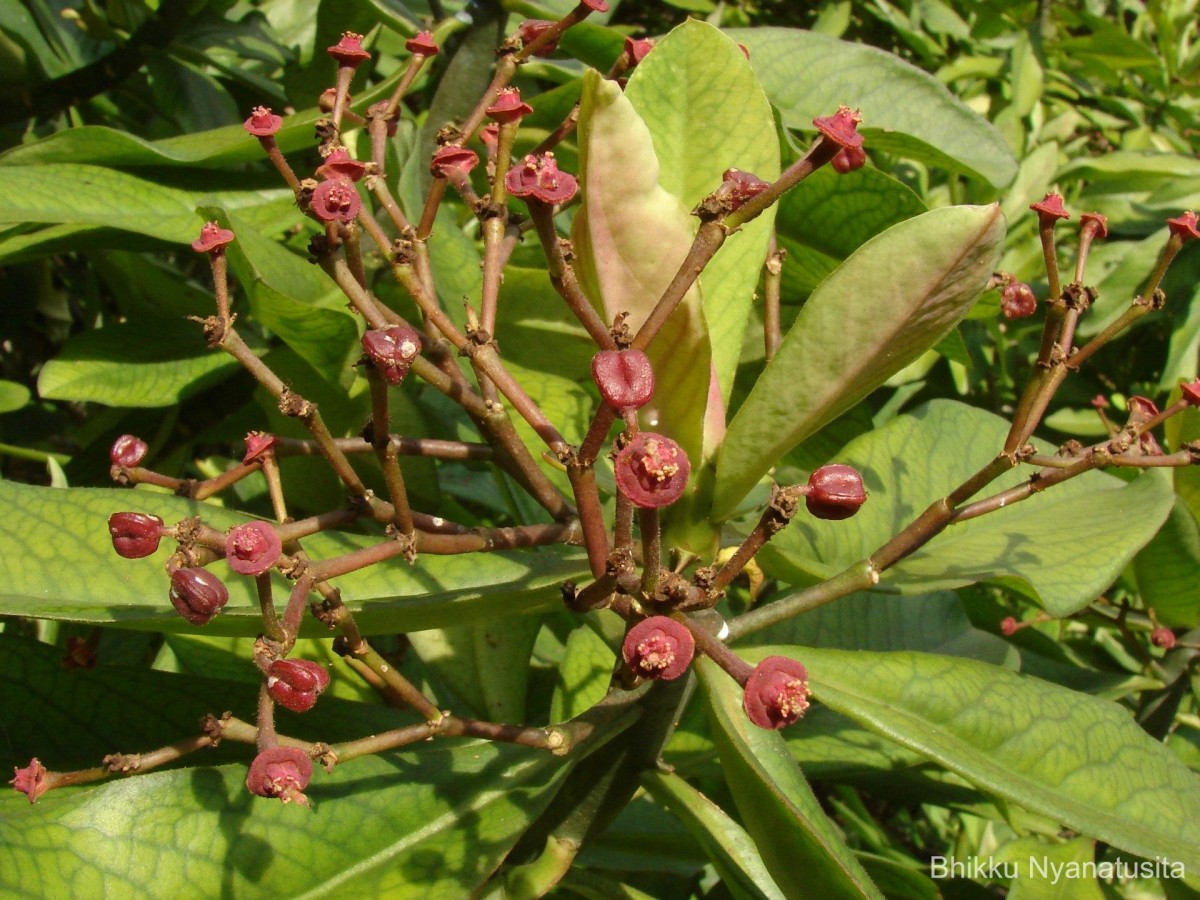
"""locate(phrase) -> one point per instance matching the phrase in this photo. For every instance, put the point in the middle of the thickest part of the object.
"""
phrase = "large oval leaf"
(56, 562)
(1081, 761)
(631, 235)
(1032, 546)
(892, 300)
(685, 91)
(801, 847)
(905, 111)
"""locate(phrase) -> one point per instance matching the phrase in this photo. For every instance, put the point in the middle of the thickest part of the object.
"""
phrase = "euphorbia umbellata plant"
(587, 536)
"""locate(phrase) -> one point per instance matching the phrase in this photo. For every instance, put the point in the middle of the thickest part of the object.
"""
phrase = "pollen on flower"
(652, 470)
(262, 122)
(335, 200)
(658, 647)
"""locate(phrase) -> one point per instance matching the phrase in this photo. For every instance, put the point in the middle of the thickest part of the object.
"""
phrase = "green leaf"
(1078, 760)
(56, 562)
(583, 677)
(1032, 546)
(800, 846)
(854, 208)
(727, 844)
(905, 111)
(631, 235)
(1168, 569)
(486, 664)
(12, 396)
(1036, 861)
(892, 300)
(689, 84)
(124, 364)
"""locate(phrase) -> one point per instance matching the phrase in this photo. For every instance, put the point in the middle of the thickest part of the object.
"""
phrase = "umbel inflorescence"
(665, 608)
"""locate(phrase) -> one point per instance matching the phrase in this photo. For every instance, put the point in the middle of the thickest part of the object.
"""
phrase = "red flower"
(127, 451)
(625, 378)
(737, 188)
(508, 107)
(652, 470)
(197, 594)
(638, 48)
(841, 127)
(1009, 626)
(339, 164)
(349, 50)
(849, 159)
(282, 772)
(213, 238)
(1050, 209)
(262, 122)
(296, 683)
(1163, 637)
(31, 780)
(392, 350)
(599, 6)
(1017, 300)
(335, 200)
(1184, 226)
(134, 535)
(835, 492)
(532, 29)
(453, 159)
(422, 45)
(776, 693)
(258, 443)
(658, 647)
(538, 177)
(253, 548)
(1095, 222)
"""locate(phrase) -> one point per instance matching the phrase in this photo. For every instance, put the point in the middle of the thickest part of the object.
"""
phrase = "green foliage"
(990, 692)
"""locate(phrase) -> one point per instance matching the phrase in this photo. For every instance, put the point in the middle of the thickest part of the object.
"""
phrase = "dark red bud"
(1163, 637)
(282, 772)
(422, 45)
(1141, 411)
(335, 200)
(134, 535)
(392, 350)
(128, 451)
(257, 444)
(349, 50)
(213, 238)
(31, 780)
(737, 188)
(638, 48)
(253, 548)
(658, 647)
(197, 594)
(625, 378)
(1017, 300)
(848, 159)
(296, 683)
(262, 122)
(532, 29)
(776, 693)
(652, 470)
(1050, 209)
(1009, 626)
(835, 492)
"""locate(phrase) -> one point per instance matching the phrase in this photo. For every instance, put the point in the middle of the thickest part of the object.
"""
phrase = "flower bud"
(625, 378)
(134, 535)
(1017, 300)
(1163, 637)
(658, 647)
(1185, 227)
(392, 350)
(532, 29)
(259, 443)
(128, 451)
(296, 683)
(652, 470)
(31, 780)
(848, 159)
(253, 548)
(282, 772)
(776, 693)
(197, 594)
(1009, 626)
(835, 492)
